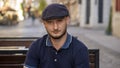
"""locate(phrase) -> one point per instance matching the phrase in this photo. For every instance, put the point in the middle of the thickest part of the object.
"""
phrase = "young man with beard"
(57, 49)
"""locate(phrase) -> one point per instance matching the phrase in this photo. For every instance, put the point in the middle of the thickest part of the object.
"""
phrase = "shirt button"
(56, 53)
(55, 60)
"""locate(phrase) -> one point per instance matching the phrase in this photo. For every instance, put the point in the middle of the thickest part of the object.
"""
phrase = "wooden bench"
(94, 58)
(25, 41)
(12, 61)
(16, 58)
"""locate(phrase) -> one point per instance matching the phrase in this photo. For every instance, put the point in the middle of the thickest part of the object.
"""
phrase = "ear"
(68, 19)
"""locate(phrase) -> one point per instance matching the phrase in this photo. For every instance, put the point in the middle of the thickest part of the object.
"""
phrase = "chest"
(50, 58)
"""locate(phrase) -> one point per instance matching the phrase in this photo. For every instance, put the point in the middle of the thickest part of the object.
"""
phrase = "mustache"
(56, 30)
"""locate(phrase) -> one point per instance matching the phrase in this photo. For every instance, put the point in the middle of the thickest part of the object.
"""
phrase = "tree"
(42, 5)
(109, 28)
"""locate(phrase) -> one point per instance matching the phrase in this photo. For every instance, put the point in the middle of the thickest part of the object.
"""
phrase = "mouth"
(56, 31)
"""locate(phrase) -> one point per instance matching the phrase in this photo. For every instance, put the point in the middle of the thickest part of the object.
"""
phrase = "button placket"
(56, 53)
(55, 60)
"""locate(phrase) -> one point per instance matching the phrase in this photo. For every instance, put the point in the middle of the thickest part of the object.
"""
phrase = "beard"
(57, 37)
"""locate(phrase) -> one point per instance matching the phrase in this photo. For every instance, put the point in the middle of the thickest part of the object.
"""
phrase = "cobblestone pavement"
(109, 46)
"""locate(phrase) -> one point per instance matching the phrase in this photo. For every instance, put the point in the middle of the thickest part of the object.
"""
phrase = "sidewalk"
(98, 36)
(97, 39)
(108, 41)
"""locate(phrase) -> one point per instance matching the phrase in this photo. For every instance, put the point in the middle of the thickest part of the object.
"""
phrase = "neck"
(58, 43)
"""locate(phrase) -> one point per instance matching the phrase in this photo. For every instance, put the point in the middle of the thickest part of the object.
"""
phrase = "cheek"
(48, 28)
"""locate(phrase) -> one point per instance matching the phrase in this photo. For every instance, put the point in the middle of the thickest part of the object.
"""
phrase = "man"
(57, 49)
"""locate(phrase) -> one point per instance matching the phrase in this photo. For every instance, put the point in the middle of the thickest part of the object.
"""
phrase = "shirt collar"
(66, 44)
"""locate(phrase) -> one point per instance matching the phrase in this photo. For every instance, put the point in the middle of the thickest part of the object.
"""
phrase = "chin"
(56, 37)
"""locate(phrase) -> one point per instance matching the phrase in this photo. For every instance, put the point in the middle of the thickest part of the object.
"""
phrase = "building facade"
(116, 18)
(94, 13)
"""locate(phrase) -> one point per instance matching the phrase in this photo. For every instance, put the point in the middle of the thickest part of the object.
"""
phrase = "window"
(80, 1)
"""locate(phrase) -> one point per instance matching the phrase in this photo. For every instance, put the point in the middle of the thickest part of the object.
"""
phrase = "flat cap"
(54, 11)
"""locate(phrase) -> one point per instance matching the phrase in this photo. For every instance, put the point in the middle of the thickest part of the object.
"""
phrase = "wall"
(115, 20)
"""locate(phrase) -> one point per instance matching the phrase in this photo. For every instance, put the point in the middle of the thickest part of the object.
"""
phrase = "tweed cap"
(54, 11)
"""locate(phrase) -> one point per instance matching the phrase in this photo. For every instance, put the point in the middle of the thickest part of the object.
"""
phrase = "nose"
(55, 25)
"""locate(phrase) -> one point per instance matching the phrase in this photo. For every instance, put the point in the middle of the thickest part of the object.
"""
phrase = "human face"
(56, 28)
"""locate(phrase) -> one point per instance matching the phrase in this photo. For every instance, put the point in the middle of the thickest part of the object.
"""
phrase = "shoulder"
(77, 44)
(79, 48)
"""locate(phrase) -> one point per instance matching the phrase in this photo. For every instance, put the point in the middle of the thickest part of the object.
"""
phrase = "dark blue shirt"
(73, 54)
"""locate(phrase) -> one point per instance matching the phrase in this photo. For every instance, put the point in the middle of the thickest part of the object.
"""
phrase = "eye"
(59, 20)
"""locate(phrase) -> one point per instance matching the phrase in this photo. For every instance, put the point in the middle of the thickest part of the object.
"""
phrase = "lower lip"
(55, 32)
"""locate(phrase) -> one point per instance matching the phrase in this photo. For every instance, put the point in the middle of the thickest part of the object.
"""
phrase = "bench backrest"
(16, 41)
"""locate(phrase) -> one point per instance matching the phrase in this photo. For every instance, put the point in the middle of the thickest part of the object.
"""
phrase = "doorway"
(100, 11)
(88, 11)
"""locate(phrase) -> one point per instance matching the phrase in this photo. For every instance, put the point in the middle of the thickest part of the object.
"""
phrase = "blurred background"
(91, 14)
(95, 22)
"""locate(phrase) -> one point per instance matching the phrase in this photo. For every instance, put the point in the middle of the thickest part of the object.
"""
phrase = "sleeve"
(81, 59)
(32, 59)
